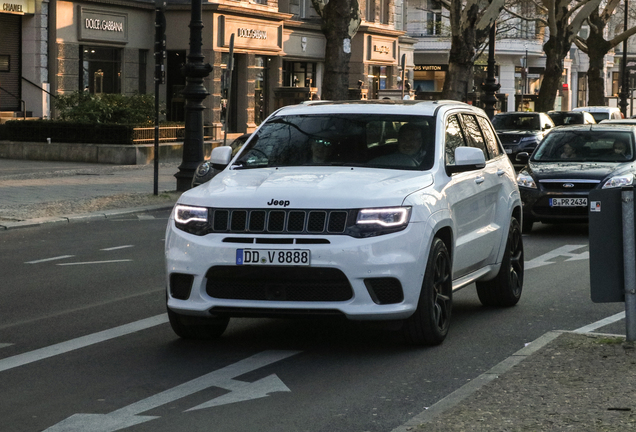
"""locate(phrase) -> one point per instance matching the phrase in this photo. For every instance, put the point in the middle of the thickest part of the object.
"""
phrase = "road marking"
(601, 323)
(94, 262)
(564, 251)
(117, 248)
(49, 259)
(81, 342)
(223, 378)
(4, 345)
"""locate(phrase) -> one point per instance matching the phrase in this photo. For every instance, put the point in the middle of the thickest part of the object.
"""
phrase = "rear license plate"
(568, 202)
(283, 257)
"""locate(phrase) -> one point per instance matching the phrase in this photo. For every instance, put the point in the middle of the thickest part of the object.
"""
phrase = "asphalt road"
(85, 344)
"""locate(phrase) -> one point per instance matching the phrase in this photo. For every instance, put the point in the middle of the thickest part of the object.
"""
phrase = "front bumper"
(536, 206)
(398, 256)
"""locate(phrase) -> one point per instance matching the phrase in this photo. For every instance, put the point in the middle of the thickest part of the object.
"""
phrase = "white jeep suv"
(373, 210)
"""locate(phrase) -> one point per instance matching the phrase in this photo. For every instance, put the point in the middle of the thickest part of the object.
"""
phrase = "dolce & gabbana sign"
(102, 26)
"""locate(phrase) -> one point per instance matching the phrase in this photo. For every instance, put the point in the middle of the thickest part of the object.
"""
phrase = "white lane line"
(4, 345)
(49, 259)
(601, 323)
(95, 262)
(81, 342)
(117, 247)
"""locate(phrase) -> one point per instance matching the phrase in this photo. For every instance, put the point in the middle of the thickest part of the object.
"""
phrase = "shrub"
(84, 107)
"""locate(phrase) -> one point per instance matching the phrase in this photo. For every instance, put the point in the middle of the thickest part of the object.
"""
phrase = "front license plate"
(568, 202)
(286, 257)
(508, 151)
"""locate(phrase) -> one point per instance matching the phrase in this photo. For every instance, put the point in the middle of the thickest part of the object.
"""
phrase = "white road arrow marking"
(223, 378)
(564, 251)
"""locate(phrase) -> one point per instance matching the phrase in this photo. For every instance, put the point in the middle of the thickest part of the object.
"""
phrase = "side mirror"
(523, 157)
(221, 157)
(467, 159)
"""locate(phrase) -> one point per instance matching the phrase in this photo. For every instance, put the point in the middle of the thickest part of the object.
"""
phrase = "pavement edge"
(468, 389)
(104, 214)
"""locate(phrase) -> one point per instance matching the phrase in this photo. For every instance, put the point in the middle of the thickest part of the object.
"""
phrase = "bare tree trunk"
(556, 48)
(462, 53)
(597, 47)
(340, 22)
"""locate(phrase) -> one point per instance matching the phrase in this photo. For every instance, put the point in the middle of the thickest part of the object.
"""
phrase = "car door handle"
(501, 172)
(480, 179)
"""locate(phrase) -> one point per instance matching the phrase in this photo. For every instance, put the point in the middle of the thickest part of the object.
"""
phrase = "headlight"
(525, 180)
(379, 221)
(193, 220)
(619, 181)
(203, 169)
(387, 217)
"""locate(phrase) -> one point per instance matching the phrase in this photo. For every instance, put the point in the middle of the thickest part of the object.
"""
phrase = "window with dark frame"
(100, 69)
(5, 63)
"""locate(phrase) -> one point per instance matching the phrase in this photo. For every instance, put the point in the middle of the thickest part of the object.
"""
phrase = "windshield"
(382, 141)
(586, 146)
(516, 121)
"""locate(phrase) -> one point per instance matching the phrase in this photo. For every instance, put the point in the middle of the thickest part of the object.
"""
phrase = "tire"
(430, 322)
(190, 327)
(505, 289)
(527, 225)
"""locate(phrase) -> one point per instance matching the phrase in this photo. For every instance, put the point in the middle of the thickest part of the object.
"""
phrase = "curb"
(466, 390)
(83, 217)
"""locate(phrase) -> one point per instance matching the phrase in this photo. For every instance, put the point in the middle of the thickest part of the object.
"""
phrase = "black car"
(569, 162)
(205, 171)
(566, 118)
(521, 131)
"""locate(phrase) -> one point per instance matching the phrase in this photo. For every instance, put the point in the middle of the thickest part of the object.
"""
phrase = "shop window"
(299, 74)
(434, 18)
(428, 80)
(101, 69)
(616, 83)
(582, 89)
(5, 63)
(143, 60)
(260, 90)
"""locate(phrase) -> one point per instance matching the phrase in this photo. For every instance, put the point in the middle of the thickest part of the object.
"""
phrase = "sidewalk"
(561, 381)
(39, 191)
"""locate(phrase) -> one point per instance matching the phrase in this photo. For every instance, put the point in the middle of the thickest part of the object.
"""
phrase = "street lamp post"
(625, 81)
(195, 71)
(490, 85)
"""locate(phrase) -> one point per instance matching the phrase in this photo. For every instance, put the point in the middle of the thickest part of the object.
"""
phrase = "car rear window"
(586, 146)
(516, 121)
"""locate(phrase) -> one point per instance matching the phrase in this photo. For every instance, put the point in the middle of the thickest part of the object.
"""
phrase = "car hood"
(577, 170)
(299, 187)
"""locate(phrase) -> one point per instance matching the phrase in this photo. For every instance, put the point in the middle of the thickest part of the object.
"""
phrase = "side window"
(454, 138)
(474, 132)
(491, 138)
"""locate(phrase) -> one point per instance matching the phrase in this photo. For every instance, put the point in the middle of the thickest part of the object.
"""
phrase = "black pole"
(160, 55)
(490, 85)
(228, 98)
(625, 81)
(195, 92)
